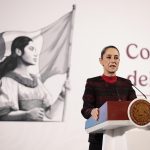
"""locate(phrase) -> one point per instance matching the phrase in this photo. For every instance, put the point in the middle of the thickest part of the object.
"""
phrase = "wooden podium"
(119, 132)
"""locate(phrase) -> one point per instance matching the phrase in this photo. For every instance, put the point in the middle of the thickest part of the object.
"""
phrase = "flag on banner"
(53, 43)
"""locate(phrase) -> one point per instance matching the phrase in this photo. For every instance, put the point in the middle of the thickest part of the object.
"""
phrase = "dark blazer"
(98, 91)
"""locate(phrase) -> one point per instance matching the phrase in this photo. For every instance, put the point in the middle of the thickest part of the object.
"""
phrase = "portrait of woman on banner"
(23, 97)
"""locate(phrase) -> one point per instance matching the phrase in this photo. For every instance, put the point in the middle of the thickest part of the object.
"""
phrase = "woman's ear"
(100, 61)
(18, 52)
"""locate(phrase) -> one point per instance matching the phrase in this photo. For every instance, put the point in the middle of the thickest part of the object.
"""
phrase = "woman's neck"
(109, 74)
(109, 79)
(23, 71)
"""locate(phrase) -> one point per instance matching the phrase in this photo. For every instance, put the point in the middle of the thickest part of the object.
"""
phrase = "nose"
(35, 52)
(112, 59)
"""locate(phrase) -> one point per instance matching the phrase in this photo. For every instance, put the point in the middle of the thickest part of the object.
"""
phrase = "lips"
(112, 66)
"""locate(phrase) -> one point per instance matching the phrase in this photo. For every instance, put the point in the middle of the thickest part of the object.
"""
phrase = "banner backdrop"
(52, 43)
(98, 23)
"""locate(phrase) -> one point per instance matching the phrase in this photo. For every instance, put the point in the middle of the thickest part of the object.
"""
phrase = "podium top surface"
(108, 125)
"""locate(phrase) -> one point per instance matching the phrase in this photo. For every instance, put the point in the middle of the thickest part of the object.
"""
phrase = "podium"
(119, 132)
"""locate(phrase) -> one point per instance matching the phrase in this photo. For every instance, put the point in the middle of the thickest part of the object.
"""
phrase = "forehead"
(30, 43)
(111, 51)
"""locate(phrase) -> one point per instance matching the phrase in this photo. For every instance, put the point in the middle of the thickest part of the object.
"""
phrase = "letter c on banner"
(129, 52)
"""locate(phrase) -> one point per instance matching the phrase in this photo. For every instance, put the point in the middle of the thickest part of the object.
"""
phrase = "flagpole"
(71, 35)
(70, 48)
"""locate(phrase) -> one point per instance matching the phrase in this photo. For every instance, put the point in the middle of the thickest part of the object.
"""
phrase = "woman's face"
(30, 56)
(110, 61)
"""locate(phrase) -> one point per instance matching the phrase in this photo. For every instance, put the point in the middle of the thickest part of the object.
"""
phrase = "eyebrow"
(111, 55)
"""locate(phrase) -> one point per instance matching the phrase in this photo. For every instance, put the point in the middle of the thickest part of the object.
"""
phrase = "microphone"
(119, 99)
(139, 90)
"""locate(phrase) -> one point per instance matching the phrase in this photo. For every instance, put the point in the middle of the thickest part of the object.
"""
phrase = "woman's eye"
(109, 57)
(31, 48)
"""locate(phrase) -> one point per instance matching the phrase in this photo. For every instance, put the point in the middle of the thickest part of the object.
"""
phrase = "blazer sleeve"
(88, 99)
(131, 93)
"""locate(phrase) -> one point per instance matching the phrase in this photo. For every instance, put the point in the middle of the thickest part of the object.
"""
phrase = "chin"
(112, 72)
(30, 64)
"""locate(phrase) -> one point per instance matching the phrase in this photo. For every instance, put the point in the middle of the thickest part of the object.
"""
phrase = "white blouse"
(19, 93)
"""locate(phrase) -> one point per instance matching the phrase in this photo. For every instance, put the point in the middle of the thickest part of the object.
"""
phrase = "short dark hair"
(105, 48)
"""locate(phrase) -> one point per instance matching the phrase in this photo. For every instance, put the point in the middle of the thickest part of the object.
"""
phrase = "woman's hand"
(95, 113)
(35, 114)
(67, 85)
